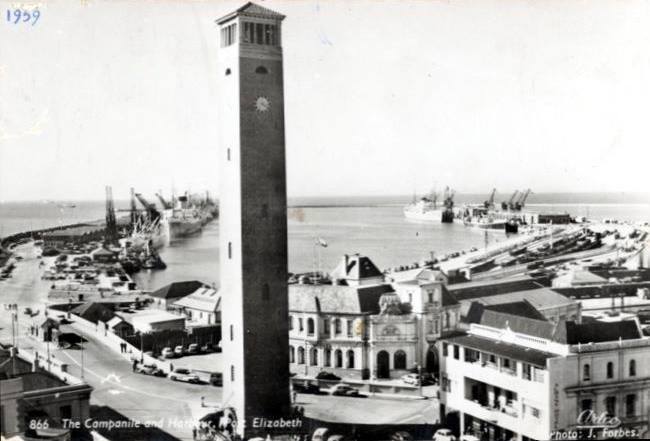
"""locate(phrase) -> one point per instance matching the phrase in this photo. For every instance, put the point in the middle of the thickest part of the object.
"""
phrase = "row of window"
(336, 323)
(327, 355)
(255, 33)
(610, 405)
(586, 370)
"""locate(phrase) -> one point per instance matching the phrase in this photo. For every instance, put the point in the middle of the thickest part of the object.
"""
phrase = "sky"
(381, 97)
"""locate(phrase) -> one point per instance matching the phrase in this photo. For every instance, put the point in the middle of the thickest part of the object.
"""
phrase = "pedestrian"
(194, 432)
(171, 367)
(135, 364)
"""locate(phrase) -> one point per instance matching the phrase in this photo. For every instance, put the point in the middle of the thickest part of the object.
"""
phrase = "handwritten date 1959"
(17, 16)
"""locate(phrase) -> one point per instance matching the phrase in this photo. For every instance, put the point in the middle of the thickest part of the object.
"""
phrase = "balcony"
(506, 418)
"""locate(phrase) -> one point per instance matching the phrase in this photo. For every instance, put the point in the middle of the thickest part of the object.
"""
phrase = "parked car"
(216, 379)
(207, 348)
(345, 390)
(193, 349)
(182, 374)
(320, 434)
(150, 369)
(401, 436)
(167, 353)
(307, 387)
(468, 437)
(414, 379)
(324, 375)
(444, 435)
(178, 351)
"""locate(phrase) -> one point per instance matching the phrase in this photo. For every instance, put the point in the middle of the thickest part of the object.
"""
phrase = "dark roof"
(252, 10)
(472, 290)
(515, 352)
(94, 312)
(356, 267)
(597, 331)
(338, 299)
(177, 290)
(448, 299)
(522, 309)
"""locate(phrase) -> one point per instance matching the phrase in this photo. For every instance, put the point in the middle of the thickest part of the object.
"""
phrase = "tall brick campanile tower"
(253, 216)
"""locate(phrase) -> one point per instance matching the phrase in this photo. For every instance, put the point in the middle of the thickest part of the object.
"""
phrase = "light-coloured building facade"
(202, 307)
(527, 379)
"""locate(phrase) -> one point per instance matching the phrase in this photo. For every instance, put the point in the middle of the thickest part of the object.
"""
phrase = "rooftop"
(177, 289)
(251, 9)
(502, 349)
(356, 267)
(337, 299)
(204, 299)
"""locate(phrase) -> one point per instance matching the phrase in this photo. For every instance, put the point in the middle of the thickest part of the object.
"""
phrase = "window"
(259, 33)
(326, 326)
(456, 352)
(447, 323)
(349, 328)
(430, 293)
(350, 359)
(228, 72)
(261, 70)
(632, 368)
(301, 327)
(228, 154)
(399, 360)
(534, 412)
(248, 36)
(232, 373)
(610, 370)
(337, 326)
(338, 355)
(410, 297)
(328, 357)
(292, 354)
(435, 326)
(228, 35)
(290, 322)
(313, 357)
(232, 333)
(586, 404)
(310, 326)
(229, 250)
(301, 355)
(445, 351)
(66, 411)
(266, 291)
(610, 406)
(586, 372)
(630, 405)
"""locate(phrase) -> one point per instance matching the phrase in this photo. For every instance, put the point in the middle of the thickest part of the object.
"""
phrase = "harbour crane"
(166, 205)
(522, 200)
(110, 235)
(490, 201)
(152, 212)
(509, 204)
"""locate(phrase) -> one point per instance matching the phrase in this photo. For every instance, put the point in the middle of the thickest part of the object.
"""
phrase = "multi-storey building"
(361, 328)
(525, 378)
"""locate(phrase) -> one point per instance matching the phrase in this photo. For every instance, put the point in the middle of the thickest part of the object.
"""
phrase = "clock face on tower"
(262, 104)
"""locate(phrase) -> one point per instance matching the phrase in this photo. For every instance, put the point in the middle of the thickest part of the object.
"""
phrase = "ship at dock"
(428, 209)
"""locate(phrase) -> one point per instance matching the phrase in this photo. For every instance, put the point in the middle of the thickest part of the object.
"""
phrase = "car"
(182, 374)
(344, 390)
(443, 435)
(193, 349)
(150, 369)
(324, 375)
(178, 351)
(411, 379)
(401, 436)
(468, 437)
(206, 348)
(216, 379)
(307, 387)
(167, 353)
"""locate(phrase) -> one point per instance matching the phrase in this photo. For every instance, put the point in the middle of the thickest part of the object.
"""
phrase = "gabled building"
(164, 297)
(202, 307)
(94, 312)
(356, 270)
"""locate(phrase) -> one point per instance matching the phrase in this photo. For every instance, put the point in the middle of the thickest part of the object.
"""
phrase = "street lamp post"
(420, 378)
